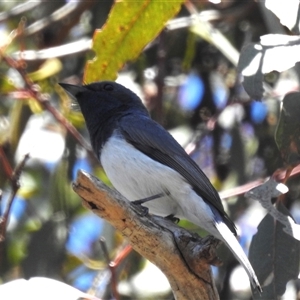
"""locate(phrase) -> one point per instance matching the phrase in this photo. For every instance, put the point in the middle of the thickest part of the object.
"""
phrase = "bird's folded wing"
(154, 141)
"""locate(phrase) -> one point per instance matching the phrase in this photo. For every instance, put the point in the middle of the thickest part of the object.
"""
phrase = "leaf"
(264, 194)
(287, 12)
(276, 46)
(49, 68)
(274, 256)
(130, 27)
(258, 59)
(249, 66)
(288, 129)
(215, 37)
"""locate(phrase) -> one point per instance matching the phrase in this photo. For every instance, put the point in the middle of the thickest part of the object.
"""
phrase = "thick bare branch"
(183, 257)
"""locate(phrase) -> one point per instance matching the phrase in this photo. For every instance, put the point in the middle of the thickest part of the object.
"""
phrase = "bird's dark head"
(103, 103)
(104, 98)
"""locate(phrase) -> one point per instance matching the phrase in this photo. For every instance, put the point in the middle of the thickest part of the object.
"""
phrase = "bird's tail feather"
(233, 244)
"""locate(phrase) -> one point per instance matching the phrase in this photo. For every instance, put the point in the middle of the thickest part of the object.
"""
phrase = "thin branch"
(280, 175)
(5, 163)
(79, 46)
(61, 21)
(183, 257)
(56, 16)
(42, 99)
(15, 183)
(85, 44)
(122, 255)
(242, 189)
(19, 9)
(112, 269)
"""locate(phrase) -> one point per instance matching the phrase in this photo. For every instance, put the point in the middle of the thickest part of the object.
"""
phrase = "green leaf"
(274, 256)
(288, 129)
(130, 27)
(49, 68)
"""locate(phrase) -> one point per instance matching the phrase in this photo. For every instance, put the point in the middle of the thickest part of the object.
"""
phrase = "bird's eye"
(108, 87)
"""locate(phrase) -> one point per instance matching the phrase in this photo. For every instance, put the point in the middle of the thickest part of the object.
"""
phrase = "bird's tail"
(233, 244)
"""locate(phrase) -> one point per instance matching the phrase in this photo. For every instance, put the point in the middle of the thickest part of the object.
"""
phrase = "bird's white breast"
(136, 176)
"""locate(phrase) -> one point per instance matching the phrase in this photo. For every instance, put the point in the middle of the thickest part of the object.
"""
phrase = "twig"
(42, 99)
(19, 9)
(6, 165)
(212, 35)
(61, 22)
(280, 175)
(112, 268)
(79, 46)
(122, 255)
(15, 183)
(56, 16)
(242, 189)
(85, 43)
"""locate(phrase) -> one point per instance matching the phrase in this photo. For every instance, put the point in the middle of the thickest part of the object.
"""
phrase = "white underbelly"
(136, 176)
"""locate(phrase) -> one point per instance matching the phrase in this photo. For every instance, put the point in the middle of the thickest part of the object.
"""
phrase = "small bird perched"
(143, 161)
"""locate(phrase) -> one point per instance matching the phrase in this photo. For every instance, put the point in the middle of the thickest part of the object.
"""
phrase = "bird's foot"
(142, 210)
(172, 218)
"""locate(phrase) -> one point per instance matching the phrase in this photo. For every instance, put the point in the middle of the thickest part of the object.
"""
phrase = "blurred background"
(187, 84)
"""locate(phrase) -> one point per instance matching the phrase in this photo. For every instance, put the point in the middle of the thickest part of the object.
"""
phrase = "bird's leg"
(144, 200)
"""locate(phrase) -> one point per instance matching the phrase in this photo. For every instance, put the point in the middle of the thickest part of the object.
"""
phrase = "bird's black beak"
(71, 89)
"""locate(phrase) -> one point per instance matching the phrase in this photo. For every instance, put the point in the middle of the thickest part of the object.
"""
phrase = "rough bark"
(183, 257)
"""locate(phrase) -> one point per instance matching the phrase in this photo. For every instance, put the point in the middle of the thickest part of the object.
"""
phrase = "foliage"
(123, 38)
(193, 80)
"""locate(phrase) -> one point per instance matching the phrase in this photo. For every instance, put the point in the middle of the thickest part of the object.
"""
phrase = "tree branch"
(183, 257)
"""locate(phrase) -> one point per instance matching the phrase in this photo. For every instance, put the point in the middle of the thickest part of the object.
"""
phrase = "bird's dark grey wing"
(151, 139)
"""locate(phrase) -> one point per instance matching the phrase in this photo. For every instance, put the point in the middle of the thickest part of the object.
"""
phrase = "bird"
(144, 162)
